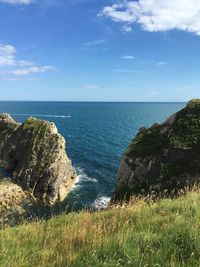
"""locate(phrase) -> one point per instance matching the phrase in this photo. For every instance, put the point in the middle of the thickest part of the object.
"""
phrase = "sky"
(99, 50)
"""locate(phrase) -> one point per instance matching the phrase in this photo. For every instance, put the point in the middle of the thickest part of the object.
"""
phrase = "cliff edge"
(34, 152)
(162, 158)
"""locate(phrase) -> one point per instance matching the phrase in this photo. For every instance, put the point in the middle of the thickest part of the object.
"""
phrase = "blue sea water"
(97, 134)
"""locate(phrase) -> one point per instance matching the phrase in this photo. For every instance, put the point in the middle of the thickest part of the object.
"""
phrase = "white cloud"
(24, 2)
(157, 15)
(24, 63)
(96, 42)
(147, 62)
(127, 57)
(41, 3)
(161, 63)
(127, 28)
(92, 86)
(7, 55)
(8, 59)
(34, 69)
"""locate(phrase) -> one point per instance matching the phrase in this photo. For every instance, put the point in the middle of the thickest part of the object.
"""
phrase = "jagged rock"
(162, 158)
(34, 152)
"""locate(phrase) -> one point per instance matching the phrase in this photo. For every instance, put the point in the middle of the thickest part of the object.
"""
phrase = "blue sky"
(87, 50)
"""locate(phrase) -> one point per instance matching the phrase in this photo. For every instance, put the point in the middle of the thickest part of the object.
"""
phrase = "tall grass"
(163, 233)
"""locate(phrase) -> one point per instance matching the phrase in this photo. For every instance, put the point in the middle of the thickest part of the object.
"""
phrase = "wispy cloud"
(19, 2)
(46, 2)
(156, 15)
(20, 79)
(95, 42)
(147, 62)
(92, 86)
(126, 28)
(29, 70)
(24, 63)
(8, 59)
(129, 57)
(129, 71)
(161, 63)
(7, 55)
(41, 3)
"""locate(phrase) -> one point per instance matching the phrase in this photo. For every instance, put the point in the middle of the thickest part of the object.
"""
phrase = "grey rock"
(35, 153)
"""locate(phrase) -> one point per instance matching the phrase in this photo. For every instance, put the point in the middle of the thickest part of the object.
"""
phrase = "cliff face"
(35, 154)
(162, 158)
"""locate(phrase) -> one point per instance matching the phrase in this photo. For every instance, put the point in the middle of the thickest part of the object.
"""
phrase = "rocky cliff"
(34, 152)
(162, 158)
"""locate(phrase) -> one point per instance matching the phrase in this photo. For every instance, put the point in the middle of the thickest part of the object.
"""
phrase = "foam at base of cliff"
(83, 177)
(101, 202)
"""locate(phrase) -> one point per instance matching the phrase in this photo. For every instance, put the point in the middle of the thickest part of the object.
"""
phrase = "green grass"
(164, 233)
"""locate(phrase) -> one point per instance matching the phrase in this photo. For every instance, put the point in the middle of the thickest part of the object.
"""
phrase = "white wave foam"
(82, 177)
(101, 202)
(42, 115)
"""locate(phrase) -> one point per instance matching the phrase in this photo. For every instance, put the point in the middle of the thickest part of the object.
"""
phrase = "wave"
(101, 202)
(83, 177)
(41, 115)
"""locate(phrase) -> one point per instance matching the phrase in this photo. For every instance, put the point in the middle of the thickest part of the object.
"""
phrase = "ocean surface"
(97, 134)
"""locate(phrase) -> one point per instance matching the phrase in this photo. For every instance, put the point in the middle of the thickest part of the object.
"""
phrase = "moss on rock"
(164, 157)
(35, 152)
(184, 133)
(148, 141)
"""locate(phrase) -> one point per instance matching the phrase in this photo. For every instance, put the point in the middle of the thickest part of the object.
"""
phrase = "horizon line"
(92, 101)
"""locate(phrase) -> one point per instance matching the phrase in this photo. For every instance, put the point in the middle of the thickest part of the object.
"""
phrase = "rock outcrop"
(34, 152)
(163, 158)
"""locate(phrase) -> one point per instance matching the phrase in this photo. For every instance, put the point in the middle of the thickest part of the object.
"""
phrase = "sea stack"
(163, 158)
(34, 153)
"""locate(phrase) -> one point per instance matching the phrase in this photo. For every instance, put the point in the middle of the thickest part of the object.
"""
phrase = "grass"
(162, 233)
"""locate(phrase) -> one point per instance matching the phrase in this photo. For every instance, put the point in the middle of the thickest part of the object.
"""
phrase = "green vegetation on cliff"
(34, 152)
(39, 132)
(185, 133)
(165, 233)
(162, 158)
(147, 141)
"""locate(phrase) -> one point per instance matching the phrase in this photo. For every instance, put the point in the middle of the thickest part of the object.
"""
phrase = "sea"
(97, 134)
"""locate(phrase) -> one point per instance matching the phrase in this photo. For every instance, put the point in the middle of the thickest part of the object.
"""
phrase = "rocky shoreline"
(161, 159)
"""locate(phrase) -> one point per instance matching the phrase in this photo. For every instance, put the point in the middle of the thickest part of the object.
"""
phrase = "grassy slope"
(166, 233)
